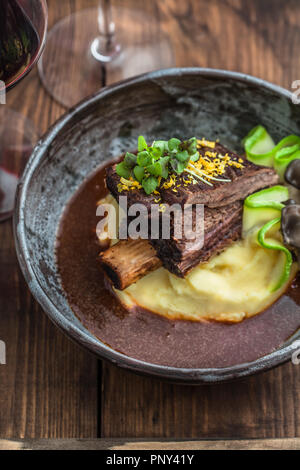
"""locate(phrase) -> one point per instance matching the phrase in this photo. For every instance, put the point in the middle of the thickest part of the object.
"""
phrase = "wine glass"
(23, 27)
(110, 40)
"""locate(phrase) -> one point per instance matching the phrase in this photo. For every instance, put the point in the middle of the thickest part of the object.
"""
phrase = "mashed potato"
(230, 287)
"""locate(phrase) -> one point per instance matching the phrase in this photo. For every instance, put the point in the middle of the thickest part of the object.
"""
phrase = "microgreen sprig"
(159, 160)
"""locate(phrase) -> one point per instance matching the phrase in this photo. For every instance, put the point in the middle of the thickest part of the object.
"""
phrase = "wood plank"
(258, 407)
(137, 445)
(259, 38)
(48, 388)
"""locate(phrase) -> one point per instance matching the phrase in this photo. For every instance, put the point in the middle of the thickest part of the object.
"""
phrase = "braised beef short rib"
(222, 227)
(223, 203)
(244, 181)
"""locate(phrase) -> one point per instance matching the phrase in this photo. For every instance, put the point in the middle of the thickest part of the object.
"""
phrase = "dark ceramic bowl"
(170, 102)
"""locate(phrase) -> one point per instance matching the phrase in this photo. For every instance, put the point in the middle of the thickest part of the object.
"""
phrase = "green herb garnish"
(139, 173)
(157, 161)
(123, 170)
(173, 144)
(149, 184)
(142, 144)
(130, 160)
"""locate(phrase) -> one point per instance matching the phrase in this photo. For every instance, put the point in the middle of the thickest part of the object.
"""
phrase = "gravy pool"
(147, 336)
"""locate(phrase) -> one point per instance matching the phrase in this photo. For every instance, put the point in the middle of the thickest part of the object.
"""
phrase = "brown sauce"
(145, 335)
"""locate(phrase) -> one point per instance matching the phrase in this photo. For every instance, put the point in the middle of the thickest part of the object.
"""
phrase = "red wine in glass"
(23, 26)
(19, 42)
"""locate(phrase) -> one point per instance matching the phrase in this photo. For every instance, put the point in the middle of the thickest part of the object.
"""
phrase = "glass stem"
(105, 19)
(105, 48)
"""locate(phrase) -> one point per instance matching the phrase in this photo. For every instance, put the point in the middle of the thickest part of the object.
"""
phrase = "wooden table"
(50, 387)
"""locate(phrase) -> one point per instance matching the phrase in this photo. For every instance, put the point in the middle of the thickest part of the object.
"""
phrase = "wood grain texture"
(48, 388)
(260, 38)
(258, 407)
(127, 444)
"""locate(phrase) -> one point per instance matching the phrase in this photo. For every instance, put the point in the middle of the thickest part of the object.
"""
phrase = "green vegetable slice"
(283, 158)
(259, 146)
(261, 149)
(261, 220)
(263, 206)
(282, 273)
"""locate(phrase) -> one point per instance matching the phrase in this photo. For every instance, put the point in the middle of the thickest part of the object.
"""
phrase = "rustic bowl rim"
(85, 338)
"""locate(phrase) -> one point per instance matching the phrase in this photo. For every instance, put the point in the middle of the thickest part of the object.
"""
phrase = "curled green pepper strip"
(283, 159)
(262, 212)
(259, 146)
(260, 149)
(273, 244)
(263, 206)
